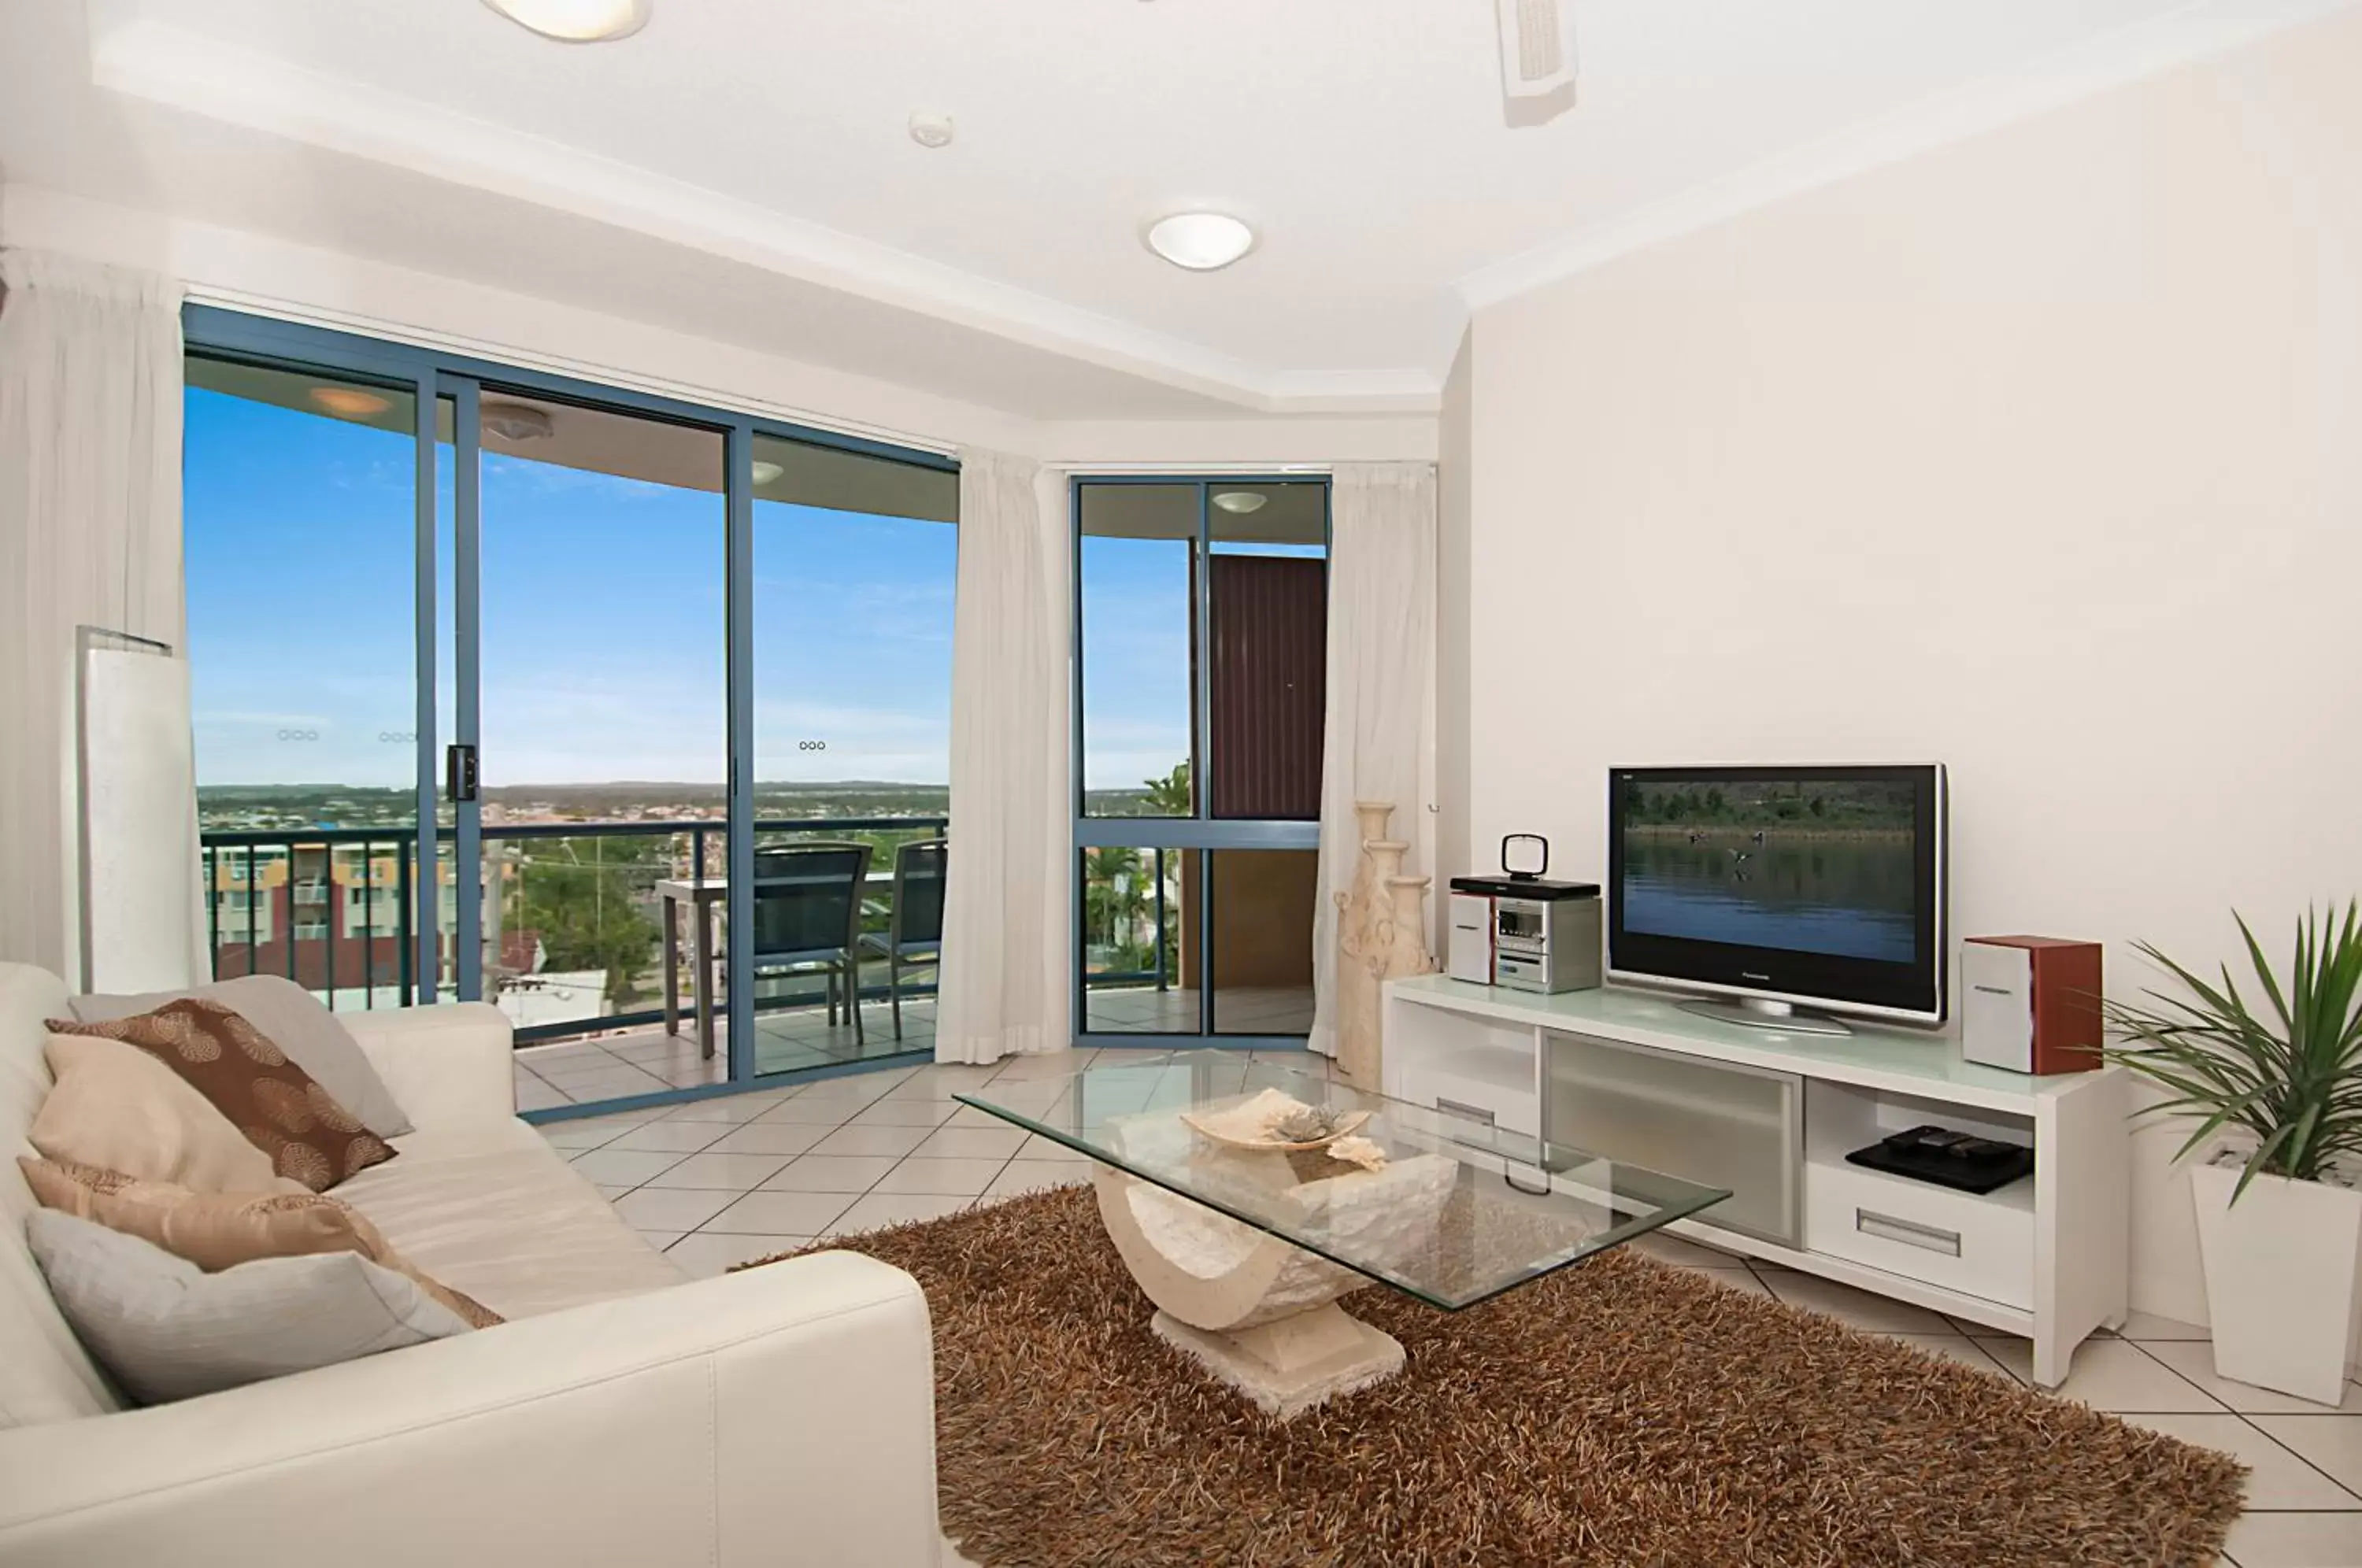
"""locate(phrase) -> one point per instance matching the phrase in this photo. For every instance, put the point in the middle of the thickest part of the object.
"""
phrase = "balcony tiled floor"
(1238, 1010)
(584, 1072)
(726, 1180)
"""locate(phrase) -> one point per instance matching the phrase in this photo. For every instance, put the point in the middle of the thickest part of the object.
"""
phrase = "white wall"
(2040, 456)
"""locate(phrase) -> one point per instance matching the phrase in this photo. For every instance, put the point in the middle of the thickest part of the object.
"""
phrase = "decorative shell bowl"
(1276, 1122)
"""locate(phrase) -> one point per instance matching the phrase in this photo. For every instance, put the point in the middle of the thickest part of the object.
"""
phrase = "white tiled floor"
(728, 1180)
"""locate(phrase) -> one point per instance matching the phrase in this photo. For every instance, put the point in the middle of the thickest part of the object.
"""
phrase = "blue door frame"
(1199, 834)
(429, 374)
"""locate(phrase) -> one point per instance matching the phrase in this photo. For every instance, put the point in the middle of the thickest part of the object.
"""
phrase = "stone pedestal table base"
(1285, 1369)
(1260, 1312)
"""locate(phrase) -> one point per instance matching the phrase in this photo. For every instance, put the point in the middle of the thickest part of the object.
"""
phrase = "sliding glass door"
(300, 501)
(591, 571)
(1201, 616)
(855, 557)
(479, 713)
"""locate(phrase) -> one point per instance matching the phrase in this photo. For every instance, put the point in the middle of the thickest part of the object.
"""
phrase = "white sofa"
(624, 1414)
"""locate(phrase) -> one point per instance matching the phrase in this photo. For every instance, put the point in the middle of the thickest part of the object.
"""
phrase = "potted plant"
(2280, 1225)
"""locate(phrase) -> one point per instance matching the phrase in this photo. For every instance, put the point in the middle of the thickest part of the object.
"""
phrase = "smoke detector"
(931, 130)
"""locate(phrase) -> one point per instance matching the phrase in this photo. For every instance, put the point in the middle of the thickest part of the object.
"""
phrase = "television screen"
(1816, 883)
(1820, 863)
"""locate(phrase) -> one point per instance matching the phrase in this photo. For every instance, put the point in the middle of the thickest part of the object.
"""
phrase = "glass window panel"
(1140, 951)
(300, 525)
(604, 695)
(855, 562)
(1289, 519)
(1261, 944)
(1267, 624)
(855, 565)
(300, 515)
(1138, 562)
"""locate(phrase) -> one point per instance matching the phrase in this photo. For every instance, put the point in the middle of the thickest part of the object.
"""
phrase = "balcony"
(573, 950)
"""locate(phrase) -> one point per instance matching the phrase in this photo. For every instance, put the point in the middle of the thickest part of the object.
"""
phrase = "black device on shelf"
(1947, 1157)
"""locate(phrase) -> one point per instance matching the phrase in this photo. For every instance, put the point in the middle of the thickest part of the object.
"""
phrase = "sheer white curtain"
(1008, 960)
(90, 535)
(1381, 672)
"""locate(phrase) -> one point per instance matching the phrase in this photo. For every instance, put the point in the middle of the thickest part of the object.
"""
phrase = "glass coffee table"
(1245, 1251)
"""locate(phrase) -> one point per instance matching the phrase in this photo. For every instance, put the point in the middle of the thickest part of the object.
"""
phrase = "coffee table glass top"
(1457, 1213)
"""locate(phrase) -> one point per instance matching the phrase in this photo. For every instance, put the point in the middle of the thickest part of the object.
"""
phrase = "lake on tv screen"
(1814, 867)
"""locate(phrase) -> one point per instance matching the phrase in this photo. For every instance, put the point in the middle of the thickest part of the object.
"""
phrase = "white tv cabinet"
(1770, 1115)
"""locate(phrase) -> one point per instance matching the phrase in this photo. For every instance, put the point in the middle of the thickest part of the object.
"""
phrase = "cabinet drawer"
(1980, 1246)
(1482, 1102)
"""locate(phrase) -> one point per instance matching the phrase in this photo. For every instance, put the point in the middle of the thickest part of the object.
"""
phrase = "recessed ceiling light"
(765, 472)
(577, 21)
(1201, 241)
(350, 403)
(1241, 502)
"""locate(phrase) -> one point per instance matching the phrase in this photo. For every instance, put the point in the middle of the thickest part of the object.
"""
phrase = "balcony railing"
(358, 950)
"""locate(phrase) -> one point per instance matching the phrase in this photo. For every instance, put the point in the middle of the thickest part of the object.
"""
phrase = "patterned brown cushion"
(221, 1229)
(280, 1108)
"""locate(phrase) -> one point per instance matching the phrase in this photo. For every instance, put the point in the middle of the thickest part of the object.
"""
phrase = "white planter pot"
(2280, 1278)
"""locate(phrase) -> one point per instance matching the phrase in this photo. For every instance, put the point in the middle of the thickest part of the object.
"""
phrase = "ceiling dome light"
(350, 403)
(1239, 502)
(765, 472)
(1201, 241)
(515, 420)
(577, 21)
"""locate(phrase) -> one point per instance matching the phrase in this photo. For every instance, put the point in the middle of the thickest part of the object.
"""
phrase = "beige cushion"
(115, 1106)
(280, 1108)
(487, 1209)
(167, 1330)
(297, 1022)
(216, 1231)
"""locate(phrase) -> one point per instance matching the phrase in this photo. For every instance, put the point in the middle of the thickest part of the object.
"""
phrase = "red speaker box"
(2030, 1003)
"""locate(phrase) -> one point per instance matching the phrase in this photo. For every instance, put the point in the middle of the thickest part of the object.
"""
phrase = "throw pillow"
(221, 1230)
(297, 1022)
(167, 1330)
(120, 1108)
(280, 1107)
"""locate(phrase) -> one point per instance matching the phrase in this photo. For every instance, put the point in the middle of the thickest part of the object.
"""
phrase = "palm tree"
(1170, 795)
(1115, 894)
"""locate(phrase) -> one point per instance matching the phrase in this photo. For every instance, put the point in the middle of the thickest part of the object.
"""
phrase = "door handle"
(459, 772)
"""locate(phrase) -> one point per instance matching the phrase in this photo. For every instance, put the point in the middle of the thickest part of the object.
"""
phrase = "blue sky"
(602, 624)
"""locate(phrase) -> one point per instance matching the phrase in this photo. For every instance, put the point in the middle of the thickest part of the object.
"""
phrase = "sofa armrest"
(444, 1065)
(779, 1415)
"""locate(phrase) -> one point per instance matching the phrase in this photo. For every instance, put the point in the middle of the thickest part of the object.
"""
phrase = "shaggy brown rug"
(1620, 1411)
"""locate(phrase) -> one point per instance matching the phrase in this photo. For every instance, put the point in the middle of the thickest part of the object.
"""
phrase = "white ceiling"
(741, 168)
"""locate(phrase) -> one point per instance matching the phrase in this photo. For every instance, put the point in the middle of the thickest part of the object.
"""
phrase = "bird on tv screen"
(1806, 864)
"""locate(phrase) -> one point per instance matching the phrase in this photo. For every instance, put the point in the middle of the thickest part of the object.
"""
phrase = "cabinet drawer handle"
(1887, 1228)
(1468, 1112)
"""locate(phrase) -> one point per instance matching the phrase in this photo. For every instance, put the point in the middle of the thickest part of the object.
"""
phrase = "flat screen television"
(1782, 891)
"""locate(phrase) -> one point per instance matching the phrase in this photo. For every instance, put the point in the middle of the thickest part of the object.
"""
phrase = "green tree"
(1170, 795)
(577, 897)
(1115, 895)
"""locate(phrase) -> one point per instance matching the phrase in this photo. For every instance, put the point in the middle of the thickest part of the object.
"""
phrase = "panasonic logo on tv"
(1745, 976)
